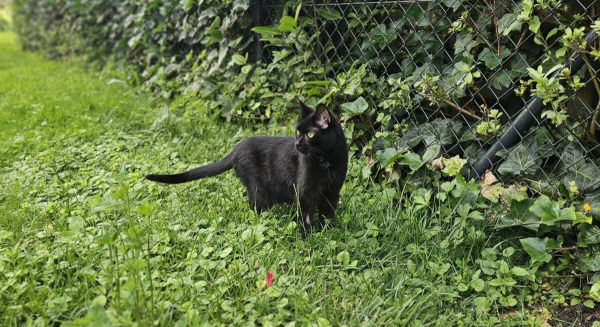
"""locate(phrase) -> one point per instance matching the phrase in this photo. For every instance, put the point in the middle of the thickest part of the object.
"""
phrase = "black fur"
(310, 167)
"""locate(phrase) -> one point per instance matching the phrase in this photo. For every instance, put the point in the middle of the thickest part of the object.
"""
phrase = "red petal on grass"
(269, 279)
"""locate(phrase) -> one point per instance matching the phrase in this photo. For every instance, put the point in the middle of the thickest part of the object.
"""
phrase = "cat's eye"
(310, 135)
(297, 133)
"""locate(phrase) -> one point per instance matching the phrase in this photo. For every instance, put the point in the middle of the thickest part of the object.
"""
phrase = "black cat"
(309, 168)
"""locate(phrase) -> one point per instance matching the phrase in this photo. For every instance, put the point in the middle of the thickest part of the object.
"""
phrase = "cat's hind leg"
(257, 199)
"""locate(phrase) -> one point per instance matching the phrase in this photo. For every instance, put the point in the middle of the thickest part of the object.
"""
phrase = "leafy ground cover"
(84, 239)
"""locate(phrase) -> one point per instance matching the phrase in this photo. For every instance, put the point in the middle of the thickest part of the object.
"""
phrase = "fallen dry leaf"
(488, 178)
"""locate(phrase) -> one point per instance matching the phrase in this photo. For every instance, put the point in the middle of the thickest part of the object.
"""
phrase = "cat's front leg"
(306, 215)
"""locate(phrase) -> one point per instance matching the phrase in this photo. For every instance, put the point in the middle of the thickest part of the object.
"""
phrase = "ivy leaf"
(515, 69)
(411, 138)
(442, 131)
(491, 60)
(581, 218)
(389, 156)
(454, 4)
(588, 235)
(355, 108)
(519, 161)
(508, 23)
(593, 199)
(571, 155)
(431, 153)
(515, 193)
(585, 175)
(453, 165)
(381, 35)
(591, 263)
(519, 215)
(413, 161)
(462, 67)
(464, 44)
(414, 12)
(240, 5)
(538, 249)
(550, 212)
(492, 192)
(329, 14)
(595, 291)
(501, 80)
(517, 66)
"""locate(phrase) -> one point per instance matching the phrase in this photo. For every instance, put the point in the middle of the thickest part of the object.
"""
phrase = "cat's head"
(315, 130)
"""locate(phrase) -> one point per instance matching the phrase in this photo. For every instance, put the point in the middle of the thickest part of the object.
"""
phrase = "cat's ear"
(306, 110)
(322, 117)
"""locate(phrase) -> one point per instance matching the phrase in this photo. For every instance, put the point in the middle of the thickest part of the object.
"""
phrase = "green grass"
(84, 238)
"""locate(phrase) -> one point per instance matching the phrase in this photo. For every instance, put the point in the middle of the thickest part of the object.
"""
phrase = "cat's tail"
(212, 169)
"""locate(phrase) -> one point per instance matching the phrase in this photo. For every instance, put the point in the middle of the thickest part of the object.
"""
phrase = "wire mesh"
(463, 60)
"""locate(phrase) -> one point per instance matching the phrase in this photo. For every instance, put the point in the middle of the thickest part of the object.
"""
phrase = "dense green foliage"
(199, 55)
(85, 240)
(5, 20)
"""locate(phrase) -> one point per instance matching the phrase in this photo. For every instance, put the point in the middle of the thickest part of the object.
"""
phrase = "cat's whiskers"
(312, 154)
(322, 162)
(319, 151)
(329, 175)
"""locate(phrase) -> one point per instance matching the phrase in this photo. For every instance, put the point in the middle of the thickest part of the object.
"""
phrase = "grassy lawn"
(84, 238)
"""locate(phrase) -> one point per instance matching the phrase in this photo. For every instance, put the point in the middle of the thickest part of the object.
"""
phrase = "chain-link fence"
(510, 85)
